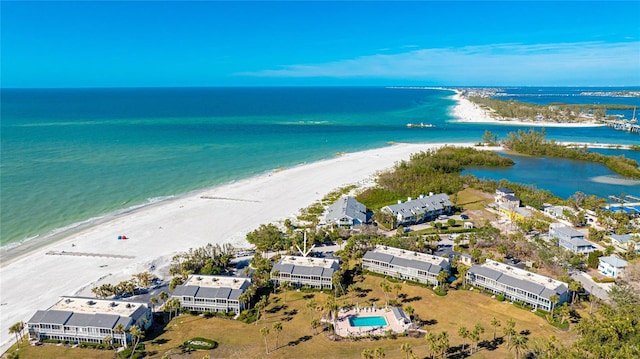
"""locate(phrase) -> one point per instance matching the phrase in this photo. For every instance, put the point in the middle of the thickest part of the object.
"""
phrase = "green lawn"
(239, 340)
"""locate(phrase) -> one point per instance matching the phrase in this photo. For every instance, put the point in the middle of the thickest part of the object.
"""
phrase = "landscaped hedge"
(200, 344)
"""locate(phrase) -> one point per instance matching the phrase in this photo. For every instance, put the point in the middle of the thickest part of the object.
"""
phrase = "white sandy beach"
(35, 280)
(469, 112)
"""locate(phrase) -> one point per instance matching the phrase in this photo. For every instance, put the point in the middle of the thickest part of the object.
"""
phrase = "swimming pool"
(376, 321)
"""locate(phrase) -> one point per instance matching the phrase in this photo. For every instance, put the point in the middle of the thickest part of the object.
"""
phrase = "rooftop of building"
(521, 274)
(309, 261)
(410, 255)
(216, 281)
(97, 306)
(614, 261)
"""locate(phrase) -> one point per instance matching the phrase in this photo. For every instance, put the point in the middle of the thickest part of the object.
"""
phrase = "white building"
(625, 242)
(420, 209)
(612, 266)
(301, 271)
(405, 264)
(518, 284)
(79, 319)
(212, 293)
(570, 239)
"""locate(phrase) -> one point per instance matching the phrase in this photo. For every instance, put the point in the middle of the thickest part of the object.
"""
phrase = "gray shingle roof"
(525, 285)
(304, 270)
(420, 206)
(96, 320)
(346, 207)
(403, 262)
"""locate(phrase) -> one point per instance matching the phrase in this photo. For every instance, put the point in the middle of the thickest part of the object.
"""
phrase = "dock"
(623, 125)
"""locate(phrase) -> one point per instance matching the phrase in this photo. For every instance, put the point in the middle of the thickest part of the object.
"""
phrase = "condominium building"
(212, 293)
(309, 271)
(420, 209)
(405, 264)
(79, 319)
(612, 266)
(518, 284)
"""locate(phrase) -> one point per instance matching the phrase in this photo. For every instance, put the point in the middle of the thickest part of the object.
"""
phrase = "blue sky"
(428, 43)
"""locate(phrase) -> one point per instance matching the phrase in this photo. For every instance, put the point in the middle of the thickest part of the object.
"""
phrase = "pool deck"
(344, 328)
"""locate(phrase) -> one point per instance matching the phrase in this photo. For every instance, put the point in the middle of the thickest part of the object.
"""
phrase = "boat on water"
(420, 125)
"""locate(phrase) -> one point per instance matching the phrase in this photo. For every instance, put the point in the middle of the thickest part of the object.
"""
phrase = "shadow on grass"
(412, 299)
(299, 340)
(491, 345)
(277, 308)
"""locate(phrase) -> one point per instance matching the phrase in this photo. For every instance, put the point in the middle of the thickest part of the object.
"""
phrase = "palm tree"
(311, 305)
(509, 330)
(564, 311)
(260, 305)
(264, 331)
(107, 340)
(277, 327)
(285, 286)
(398, 288)
(367, 354)
(315, 323)
(442, 278)
(463, 332)
(409, 310)
(462, 273)
(475, 334)
(495, 323)
(386, 288)
(275, 274)
(17, 329)
(519, 345)
(119, 329)
(163, 296)
(574, 287)
(554, 299)
(443, 342)
(136, 334)
(333, 309)
(407, 349)
(432, 340)
(154, 302)
(379, 353)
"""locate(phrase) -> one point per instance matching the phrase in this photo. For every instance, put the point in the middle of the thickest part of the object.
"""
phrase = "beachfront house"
(502, 192)
(346, 212)
(612, 266)
(517, 284)
(78, 319)
(625, 242)
(404, 264)
(421, 209)
(305, 271)
(212, 293)
(570, 239)
(558, 212)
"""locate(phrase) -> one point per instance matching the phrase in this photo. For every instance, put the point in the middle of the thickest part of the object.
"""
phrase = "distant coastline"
(468, 112)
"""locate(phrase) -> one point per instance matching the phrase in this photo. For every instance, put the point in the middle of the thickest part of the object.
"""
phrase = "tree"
(564, 311)
(311, 305)
(163, 296)
(285, 286)
(495, 323)
(432, 341)
(367, 354)
(409, 310)
(443, 343)
(519, 345)
(119, 329)
(264, 331)
(315, 323)
(398, 288)
(574, 287)
(333, 307)
(407, 349)
(136, 334)
(509, 330)
(442, 279)
(108, 340)
(154, 302)
(463, 332)
(277, 327)
(554, 299)
(386, 288)
(475, 335)
(17, 329)
(379, 353)
(260, 306)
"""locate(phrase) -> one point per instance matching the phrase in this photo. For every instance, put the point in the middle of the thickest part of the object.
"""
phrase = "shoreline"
(155, 232)
(468, 112)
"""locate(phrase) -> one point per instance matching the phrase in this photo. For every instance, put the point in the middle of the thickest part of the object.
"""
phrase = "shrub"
(248, 316)
(500, 297)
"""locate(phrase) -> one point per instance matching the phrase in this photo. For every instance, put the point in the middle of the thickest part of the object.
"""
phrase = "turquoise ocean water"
(74, 155)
